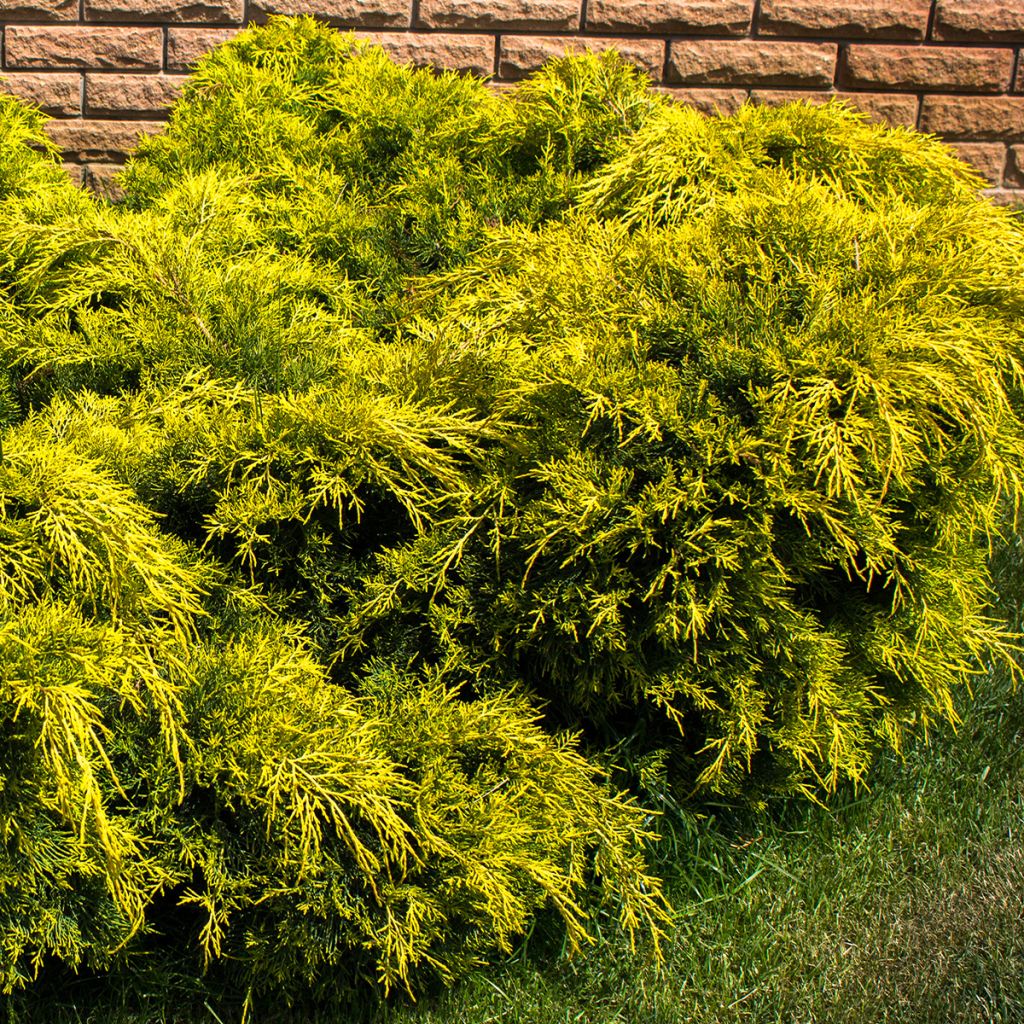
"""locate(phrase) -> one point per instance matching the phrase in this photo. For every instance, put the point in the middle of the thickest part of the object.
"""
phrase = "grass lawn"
(904, 904)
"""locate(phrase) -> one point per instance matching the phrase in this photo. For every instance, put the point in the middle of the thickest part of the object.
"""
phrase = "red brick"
(974, 118)
(860, 19)
(81, 46)
(779, 97)
(522, 54)
(707, 101)
(165, 11)
(935, 68)
(56, 93)
(347, 13)
(984, 20)
(106, 141)
(115, 95)
(751, 62)
(987, 158)
(462, 52)
(684, 17)
(186, 45)
(886, 108)
(1015, 167)
(75, 172)
(484, 14)
(1004, 196)
(38, 10)
(101, 179)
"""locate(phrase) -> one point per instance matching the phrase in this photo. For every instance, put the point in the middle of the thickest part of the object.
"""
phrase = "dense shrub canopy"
(399, 460)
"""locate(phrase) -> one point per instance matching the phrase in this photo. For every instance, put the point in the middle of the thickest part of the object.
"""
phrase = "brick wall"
(108, 69)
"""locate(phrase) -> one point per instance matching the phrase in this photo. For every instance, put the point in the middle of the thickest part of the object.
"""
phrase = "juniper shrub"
(400, 457)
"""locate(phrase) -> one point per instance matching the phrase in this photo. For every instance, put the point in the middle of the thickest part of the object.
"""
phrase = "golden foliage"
(400, 460)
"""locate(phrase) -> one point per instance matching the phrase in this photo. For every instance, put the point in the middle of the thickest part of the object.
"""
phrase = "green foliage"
(22, 173)
(679, 162)
(766, 440)
(383, 173)
(180, 776)
(167, 737)
(401, 463)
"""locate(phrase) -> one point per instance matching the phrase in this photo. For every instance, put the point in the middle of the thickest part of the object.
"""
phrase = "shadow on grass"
(903, 904)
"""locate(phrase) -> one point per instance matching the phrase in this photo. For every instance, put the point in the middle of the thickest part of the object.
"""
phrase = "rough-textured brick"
(867, 19)
(1004, 196)
(347, 13)
(165, 11)
(974, 118)
(987, 158)
(979, 20)
(57, 93)
(886, 108)
(1015, 167)
(505, 14)
(116, 95)
(186, 45)
(105, 141)
(38, 10)
(686, 17)
(101, 179)
(707, 101)
(462, 52)
(522, 54)
(935, 68)
(751, 62)
(76, 172)
(82, 46)
(779, 97)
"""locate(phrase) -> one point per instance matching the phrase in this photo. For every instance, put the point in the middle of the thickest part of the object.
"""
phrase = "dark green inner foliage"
(410, 488)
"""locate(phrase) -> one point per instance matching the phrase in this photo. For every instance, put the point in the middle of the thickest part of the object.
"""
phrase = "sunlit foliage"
(401, 466)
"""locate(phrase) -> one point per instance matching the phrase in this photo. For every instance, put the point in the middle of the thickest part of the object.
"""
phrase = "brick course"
(979, 20)
(987, 158)
(460, 51)
(967, 118)
(552, 15)
(99, 178)
(751, 62)
(186, 45)
(522, 54)
(108, 69)
(166, 11)
(708, 101)
(101, 141)
(348, 13)
(81, 46)
(108, 95)
(935, 68)
(685, 17)
(58, 94)
(861, 19)
(38, 10)
(1015, 167)
(886, 108)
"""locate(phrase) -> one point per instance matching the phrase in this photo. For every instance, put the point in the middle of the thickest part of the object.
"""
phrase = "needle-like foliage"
(191, 452)
(400, 460)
